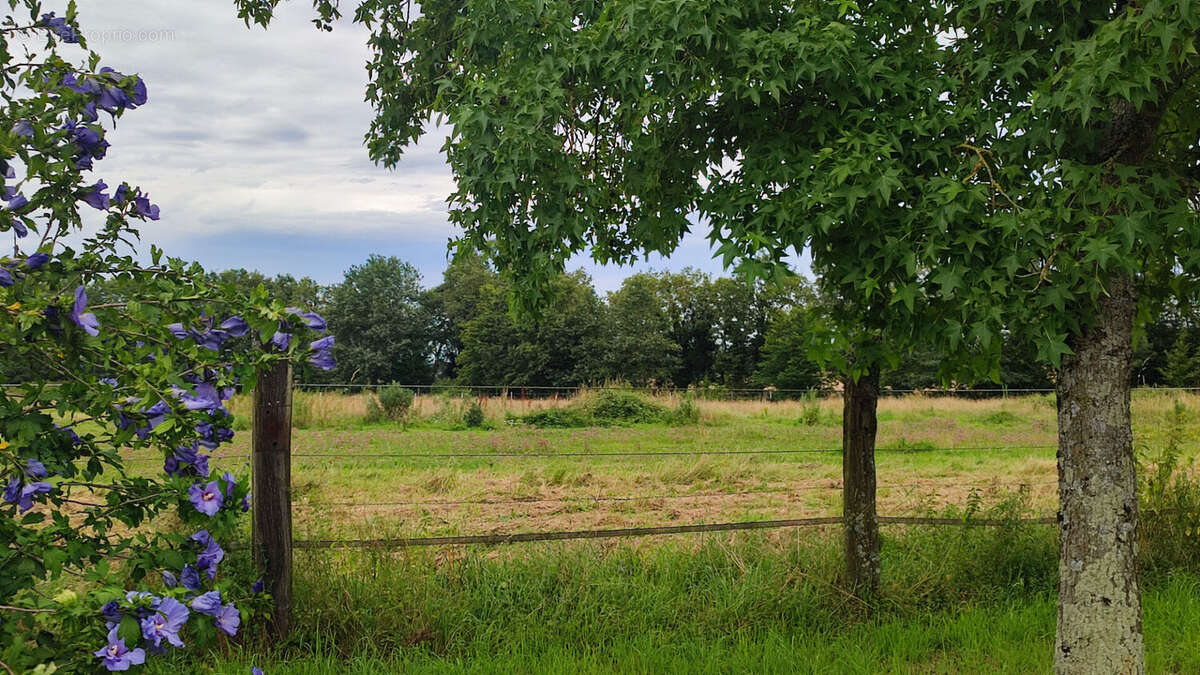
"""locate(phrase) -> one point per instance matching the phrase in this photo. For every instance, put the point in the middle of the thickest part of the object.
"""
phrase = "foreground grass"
(954, 601)
(1010, 639)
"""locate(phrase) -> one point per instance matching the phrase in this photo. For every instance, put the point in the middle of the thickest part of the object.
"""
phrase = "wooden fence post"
(272, 486)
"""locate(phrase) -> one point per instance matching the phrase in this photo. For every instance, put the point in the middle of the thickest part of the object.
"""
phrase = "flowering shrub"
(88, 579)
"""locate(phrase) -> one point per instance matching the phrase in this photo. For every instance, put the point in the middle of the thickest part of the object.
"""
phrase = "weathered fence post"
(272, 486)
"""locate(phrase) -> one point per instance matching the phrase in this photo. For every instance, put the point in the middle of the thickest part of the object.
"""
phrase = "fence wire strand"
(654, 497)
(524, 537)
(651, 453)
(646, 453)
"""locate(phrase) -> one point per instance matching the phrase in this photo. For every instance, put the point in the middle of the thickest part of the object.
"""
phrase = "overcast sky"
(251, 143)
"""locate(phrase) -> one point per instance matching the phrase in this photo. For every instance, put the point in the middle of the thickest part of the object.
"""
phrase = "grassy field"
(352, 479)
(954, 600)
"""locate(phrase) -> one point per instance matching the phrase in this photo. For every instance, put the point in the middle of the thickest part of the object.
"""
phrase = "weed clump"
(603, 408)
(614, 407)
(1170, 504)
(810, 412)
(687, 413)
(1000, 418)
(392, 402)
(473, 417)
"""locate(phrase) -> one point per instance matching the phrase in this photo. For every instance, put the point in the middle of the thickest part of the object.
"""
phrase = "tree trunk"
(1099, 603)
(859, 405)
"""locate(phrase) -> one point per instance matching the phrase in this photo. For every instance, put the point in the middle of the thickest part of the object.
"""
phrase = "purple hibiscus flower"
(116, 656)
(212, 554)
(96, 198)
(190, 578)
(206, 498)
(60, 27)
(37, 260)
(23, 493)
(35, 469)
(321, 356)
(201, 465)
(311, 319)
(229, 481)
(206, 398)
(281, 341)
(156, 413)
(235, 326)
(111, 611)
(228, 619)
(30, 491)
(23, 129)
(87, 321)
(208, 603)
(144, 208)
(165, 623)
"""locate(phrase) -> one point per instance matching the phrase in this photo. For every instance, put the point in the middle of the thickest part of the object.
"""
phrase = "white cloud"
(253, 128)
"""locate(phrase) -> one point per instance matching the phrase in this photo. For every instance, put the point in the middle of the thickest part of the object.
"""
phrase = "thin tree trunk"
(859, 405)
(1099, 603)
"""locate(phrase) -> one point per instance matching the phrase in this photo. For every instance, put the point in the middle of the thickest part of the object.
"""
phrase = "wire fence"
(626, 532)
(702, 392)
(346, 456)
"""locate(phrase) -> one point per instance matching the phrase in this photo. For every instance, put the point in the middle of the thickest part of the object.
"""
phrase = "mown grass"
(383, 480)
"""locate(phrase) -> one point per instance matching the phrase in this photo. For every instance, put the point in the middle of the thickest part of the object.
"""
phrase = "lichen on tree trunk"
(1099, 603)
(859, 406)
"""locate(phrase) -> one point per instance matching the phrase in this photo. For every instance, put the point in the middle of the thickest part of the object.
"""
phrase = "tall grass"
(953, 600)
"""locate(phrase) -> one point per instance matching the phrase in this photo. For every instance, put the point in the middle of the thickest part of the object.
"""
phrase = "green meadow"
(954, 599)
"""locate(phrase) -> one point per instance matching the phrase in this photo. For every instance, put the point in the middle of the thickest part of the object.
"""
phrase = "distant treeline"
(659, 329)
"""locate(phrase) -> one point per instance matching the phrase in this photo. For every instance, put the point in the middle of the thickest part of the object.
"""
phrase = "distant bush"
(686, 413)
(392, 402)
(614, 406)
(563, 418)
(603, 407)
(474, 417)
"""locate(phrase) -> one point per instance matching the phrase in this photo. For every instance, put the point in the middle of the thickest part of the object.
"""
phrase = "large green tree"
(562, 348)
(639, 345)
(292, 292)
(383, 329)
(605, 126)
(453, 303)
(956, 169)
(1092, 163)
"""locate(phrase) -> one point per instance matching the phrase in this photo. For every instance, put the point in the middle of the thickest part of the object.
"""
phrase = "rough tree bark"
(859, 405)
(1099, 603)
